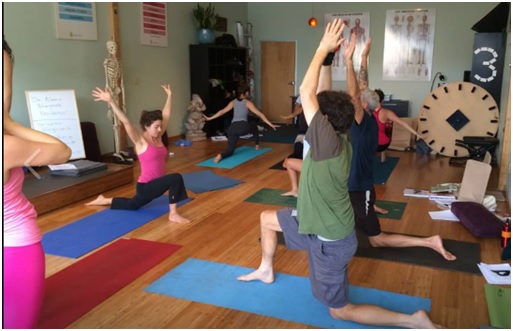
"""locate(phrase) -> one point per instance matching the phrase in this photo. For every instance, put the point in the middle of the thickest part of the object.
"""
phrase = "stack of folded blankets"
(79, 168)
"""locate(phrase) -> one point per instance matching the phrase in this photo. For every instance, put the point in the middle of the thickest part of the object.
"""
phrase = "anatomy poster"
(359, 23)
(409, 37)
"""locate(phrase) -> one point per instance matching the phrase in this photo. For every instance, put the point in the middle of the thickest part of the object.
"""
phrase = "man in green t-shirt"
(324, 222)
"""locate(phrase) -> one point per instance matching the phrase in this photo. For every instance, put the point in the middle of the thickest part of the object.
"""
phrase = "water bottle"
(506, 233)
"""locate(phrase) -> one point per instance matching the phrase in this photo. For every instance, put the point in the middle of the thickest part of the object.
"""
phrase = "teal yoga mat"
(382, 170)
(89, 233)
(288, 298)
(241, 155)
(272, 197)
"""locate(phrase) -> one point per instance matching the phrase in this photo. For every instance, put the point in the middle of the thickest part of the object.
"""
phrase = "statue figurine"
(195, 120)
(114, 82)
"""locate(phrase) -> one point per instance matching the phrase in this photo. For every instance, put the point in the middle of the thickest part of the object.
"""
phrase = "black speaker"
(494, 21)
(91, 144)
(466, 76)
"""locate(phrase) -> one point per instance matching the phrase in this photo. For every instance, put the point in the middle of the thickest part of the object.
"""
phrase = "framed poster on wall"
(154, 24)
(76, 20)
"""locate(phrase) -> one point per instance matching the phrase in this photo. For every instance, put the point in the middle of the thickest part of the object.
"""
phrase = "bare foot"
(380, 210)
(100, 201)
(421, 320)
(289, 194)
(257, 147)
(437, 245)
(177, 218)
(218, 158)
(383, 158)
(265, 276)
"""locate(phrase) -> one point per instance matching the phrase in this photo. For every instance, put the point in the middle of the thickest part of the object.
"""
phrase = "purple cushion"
(477, 219)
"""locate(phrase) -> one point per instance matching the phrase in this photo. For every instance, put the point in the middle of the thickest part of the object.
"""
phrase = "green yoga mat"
(498, 300)
(271, 196)
(395, 209)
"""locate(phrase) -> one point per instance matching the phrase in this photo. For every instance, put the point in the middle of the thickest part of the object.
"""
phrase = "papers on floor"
(499, 274)
(439, 196)
(443, 215)
(219, 138)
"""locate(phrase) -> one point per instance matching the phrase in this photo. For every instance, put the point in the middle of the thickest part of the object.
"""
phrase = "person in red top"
(153, 181)
(385, 119)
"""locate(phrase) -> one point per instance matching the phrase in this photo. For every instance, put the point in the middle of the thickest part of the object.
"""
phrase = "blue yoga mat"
(241, 155)
(288, 298)
(205, 181)
(87, 234)
(382, 170)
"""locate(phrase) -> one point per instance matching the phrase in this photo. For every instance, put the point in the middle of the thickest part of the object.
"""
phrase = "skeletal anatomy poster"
(359, 23)
(409, 37)
(154, 24)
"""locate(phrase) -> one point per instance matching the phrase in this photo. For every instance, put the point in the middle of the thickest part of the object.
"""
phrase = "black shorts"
(364, 215)
(382, 148)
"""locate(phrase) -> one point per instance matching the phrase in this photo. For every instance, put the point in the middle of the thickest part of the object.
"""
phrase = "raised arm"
(325, 80)
(391, 116)
(220, 112)
(330, 41)
(166, 110)
(7, 82)
(352, 85)
(132, 132)
(254, 110)
(363, 74)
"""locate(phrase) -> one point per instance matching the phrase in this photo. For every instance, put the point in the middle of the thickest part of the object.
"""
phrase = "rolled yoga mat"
(288, 298)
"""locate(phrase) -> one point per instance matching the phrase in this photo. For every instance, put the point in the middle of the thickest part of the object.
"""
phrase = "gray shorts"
(327, 260)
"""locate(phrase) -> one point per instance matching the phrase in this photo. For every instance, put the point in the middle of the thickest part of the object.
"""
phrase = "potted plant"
(206, 22)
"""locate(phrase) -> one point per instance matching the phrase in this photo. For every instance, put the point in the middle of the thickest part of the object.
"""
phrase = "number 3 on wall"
(487, 63)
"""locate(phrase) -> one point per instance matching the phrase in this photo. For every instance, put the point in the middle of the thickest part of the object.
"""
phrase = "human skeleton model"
(114, 82)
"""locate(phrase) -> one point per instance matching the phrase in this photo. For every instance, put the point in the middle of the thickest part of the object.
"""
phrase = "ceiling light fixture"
(312, 21)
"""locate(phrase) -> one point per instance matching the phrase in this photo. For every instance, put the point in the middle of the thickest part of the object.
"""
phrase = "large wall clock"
(454, 111)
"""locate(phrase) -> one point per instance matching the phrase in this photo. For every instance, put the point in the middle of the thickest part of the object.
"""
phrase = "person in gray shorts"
(324, 225)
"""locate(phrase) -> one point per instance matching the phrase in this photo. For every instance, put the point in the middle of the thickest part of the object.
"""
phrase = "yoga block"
(477, 219)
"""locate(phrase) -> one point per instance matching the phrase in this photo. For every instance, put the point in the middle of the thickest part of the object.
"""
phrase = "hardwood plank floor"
(226, 229)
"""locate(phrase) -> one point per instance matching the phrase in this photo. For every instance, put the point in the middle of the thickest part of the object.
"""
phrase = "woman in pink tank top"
(385, 119)
(153, 181)
(24, 260)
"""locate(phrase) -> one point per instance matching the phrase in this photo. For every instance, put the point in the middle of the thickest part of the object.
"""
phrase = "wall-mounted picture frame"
(76, 20)
(154, 24)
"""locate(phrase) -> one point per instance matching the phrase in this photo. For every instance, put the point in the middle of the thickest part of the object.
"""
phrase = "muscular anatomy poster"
(359, 23)
(409, 36)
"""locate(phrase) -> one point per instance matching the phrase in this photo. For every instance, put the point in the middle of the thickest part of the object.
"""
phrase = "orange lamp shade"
(312, 21)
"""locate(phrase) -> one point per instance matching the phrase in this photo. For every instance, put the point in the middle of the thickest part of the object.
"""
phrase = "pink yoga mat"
(72, 292)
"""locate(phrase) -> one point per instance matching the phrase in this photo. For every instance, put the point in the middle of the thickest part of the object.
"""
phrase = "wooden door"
(277, 86)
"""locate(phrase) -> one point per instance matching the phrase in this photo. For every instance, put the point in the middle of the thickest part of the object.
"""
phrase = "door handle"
(292, 83)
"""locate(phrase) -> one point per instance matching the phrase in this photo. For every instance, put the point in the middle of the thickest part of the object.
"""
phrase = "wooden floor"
(225, 229)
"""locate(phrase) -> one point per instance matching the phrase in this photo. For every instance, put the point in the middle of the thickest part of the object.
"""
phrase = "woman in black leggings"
(240, 126)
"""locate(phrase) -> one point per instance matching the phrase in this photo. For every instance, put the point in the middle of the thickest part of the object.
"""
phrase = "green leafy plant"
(205, 17)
